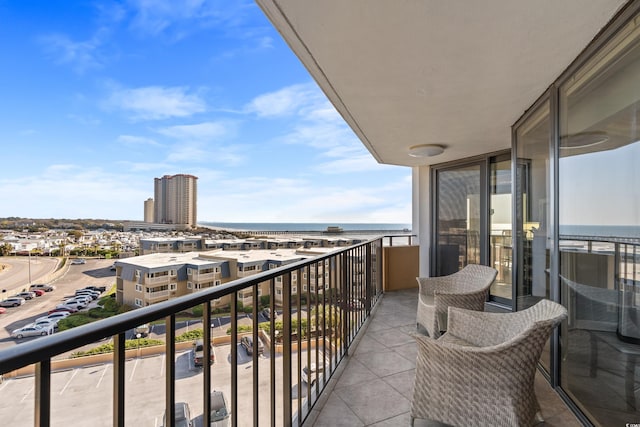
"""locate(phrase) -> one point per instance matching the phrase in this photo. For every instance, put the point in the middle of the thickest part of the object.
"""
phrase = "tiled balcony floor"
(374, 384)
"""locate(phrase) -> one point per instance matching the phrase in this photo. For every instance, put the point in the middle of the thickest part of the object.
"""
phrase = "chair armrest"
(480, 328)
(429, 285)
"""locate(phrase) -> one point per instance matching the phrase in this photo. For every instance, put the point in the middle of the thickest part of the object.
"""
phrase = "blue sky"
(99, 98)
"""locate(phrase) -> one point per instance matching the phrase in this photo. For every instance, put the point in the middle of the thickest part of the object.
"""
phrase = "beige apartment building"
(175, 199)
(149, 279)
(148, 210)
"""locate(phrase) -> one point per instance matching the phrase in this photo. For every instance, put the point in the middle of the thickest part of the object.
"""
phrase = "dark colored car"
(247, 343)
(198, 353)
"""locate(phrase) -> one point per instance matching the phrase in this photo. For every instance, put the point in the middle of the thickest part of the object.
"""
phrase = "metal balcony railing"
(304, 345)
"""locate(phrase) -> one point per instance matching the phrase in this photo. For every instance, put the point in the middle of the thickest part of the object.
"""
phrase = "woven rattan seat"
(467, 288)
(481, 371)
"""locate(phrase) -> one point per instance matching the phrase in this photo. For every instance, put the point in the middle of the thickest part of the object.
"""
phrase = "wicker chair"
(467, 288)
(481, 372)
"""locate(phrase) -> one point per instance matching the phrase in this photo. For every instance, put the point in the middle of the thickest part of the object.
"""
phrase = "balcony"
(364, 358)
(374, 384)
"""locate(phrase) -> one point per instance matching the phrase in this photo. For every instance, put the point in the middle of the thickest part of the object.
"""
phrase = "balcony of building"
(366, 353)
(374, 384)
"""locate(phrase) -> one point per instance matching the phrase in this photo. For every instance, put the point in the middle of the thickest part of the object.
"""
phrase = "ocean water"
(305, 226)
(624, 231)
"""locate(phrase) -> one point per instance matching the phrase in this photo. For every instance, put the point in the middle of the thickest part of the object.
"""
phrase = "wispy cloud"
(80, 55)
(205, 131)
(180, 18)
(291, 100)
(137, 140)
(156, 102)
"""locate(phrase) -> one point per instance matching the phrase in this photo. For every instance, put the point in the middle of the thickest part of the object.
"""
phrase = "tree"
(5, 249)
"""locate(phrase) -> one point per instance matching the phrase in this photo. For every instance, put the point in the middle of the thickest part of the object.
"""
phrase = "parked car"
(83, 299)
(78, 261)
(79, 305)
(49, 325)
(54, 316)
(26, 295)
(28, 331)
(310, 374)
(267, 314)
(220, 416)
(183, 415)
(62, 308)
(44, 287)
(96, 288)
(198, 353)
(93, 294)
(38, 292)
(143, 330)
(12, 302)
(247, 343)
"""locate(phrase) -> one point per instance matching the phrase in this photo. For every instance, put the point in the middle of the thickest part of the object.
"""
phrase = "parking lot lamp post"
(138, 335)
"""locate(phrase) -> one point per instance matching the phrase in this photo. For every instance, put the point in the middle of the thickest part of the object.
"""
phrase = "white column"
(422, 214)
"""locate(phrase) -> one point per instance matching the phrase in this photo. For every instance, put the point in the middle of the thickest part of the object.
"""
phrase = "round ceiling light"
(583, 140)
(426, 150)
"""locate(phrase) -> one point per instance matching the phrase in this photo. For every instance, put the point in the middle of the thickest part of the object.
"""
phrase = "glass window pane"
(458, 219)
(599, 219)
(500, 237)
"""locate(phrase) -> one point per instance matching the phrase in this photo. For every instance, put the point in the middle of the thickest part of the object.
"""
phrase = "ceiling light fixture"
(583, 140)
(426, 150)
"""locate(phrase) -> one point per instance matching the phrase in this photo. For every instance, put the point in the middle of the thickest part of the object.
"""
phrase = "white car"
(54, 316)
(82, 298)
(77, 304)
(87, 292)
(12, 302)
(309, 376)
(49, 325)
(28, 331)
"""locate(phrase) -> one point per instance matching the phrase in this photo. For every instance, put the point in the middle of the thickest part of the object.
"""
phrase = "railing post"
(118, 379)
(42, 416)
(170, 378)
(206, 363)
(286, 349)
(234, 358)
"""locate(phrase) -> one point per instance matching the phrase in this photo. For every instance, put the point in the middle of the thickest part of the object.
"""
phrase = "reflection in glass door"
(500, 238)
(458, 218)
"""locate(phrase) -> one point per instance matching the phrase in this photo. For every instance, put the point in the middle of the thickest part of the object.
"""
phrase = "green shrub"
(108, 347)
(197, 311)
(190, 335)
(241, 329)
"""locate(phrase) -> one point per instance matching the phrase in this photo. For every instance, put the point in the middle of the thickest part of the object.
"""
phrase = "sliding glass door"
(458, 218)
(473, 219)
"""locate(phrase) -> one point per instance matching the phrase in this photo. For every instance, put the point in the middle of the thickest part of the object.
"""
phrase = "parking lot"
(82, 396)
(95, 272)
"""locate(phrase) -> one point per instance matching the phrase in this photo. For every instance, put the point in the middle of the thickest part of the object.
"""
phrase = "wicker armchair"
(467, 288)
(481, 372)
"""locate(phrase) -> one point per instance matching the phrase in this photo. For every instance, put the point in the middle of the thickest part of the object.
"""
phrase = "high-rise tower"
(176, 199)
(148, 210)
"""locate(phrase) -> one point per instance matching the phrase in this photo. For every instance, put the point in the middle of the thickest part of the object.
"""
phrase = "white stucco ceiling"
(457, 73)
